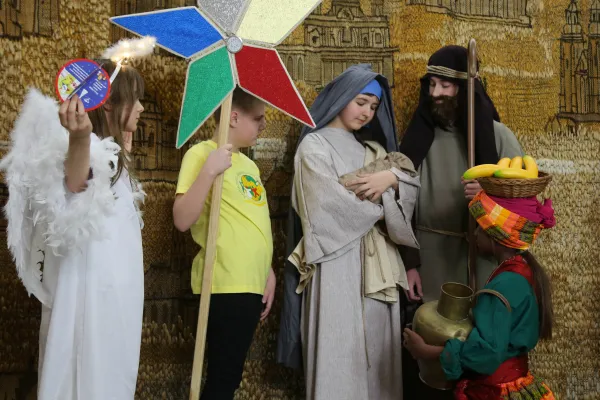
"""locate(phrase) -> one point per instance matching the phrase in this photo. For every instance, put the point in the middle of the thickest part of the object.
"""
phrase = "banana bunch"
(506, 168)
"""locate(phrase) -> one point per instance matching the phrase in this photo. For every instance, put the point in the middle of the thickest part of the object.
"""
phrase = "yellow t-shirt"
(245, 242)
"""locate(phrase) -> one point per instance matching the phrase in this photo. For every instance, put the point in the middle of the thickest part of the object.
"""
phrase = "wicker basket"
(502, 187)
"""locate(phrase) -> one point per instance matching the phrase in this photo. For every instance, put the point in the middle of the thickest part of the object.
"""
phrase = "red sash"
(488, 387)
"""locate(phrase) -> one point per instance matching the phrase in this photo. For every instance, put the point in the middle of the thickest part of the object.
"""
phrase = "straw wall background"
(524, 45)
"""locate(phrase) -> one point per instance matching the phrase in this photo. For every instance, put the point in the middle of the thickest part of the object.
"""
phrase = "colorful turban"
(512, 222)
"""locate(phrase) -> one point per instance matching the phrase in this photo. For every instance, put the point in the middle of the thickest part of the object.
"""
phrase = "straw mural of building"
(18, 18)
(503, 11)
(334, 40)
(579, 66)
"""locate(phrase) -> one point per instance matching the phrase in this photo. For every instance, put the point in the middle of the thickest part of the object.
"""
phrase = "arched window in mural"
(166, 316)
(346, 35)
(153, 312)
(139, 135)
(300, 70)
(290, 66)
(315, 37)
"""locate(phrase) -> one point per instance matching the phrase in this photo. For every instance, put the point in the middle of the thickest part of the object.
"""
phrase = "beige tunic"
(351, 345)
(442, 206)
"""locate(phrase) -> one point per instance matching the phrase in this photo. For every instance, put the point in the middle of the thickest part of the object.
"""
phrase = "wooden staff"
(472, 67)
(209, 258)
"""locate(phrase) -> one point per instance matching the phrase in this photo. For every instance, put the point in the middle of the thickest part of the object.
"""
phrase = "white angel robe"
(89, 248)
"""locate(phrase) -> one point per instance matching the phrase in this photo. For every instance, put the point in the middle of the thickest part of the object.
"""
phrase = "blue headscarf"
(339, 92)
(373, 88)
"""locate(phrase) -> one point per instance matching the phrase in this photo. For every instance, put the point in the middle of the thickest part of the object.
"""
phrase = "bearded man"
(436, 142)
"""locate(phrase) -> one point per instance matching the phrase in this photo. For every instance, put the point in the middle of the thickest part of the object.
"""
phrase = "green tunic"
(499, 334)
(442, 206)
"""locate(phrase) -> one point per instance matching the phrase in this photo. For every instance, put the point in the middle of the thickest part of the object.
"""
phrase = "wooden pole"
(472, 66)
(209, 259)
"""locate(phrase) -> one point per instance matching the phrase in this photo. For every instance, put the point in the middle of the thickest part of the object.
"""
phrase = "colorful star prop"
(227, 42)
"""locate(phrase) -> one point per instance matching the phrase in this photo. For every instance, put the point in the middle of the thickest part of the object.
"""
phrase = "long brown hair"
(543, 293)
(126, 89)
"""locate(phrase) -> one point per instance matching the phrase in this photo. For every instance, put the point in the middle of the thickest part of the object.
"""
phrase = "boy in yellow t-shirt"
(243, 284)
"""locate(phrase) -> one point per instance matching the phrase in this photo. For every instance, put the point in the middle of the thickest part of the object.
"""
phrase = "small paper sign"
(85, 78)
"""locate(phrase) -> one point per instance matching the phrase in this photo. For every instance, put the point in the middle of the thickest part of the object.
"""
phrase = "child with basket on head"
(243, 284)
(75, 233)
(493, 363)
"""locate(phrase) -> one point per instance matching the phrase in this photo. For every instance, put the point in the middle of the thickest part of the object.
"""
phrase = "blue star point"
(183, 31)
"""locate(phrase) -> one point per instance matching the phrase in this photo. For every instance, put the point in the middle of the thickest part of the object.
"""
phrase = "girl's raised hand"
(74, 118)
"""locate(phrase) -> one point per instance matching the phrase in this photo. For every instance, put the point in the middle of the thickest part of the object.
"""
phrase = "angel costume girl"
(80, 254)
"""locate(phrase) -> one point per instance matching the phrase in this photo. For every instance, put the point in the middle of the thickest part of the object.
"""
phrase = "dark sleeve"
(410, 256)
(289, 345)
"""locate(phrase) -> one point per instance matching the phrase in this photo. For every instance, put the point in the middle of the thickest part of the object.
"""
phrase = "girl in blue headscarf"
(341, 308)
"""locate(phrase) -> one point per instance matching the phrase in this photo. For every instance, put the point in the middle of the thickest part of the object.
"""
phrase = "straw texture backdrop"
(540, 63)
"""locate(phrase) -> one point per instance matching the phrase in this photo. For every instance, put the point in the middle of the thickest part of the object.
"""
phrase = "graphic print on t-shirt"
(252, 189)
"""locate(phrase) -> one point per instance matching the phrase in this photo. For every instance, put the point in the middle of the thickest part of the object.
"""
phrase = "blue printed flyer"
(85, 78)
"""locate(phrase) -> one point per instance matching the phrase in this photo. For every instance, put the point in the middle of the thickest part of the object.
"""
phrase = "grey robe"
(442, 206)
(351, 345)
(330, 102)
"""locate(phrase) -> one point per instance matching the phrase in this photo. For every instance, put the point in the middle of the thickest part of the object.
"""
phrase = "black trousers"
(232, 320)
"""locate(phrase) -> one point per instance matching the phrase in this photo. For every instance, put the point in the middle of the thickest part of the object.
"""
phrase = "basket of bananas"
(508, 178)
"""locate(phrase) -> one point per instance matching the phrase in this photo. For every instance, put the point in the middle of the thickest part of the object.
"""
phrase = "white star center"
(234, 44)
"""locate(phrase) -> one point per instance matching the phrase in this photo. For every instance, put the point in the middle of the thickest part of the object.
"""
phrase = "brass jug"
(438, 321)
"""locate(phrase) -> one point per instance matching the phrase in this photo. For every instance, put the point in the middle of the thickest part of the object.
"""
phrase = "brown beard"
(444, 114)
